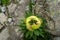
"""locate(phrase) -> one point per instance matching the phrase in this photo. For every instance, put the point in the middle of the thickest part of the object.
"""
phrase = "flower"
(33, 23)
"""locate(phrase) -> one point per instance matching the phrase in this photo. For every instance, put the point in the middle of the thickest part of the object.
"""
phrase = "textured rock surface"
(19, 13)
(55, 14)
(4, 34)
(57, 38)
(3, 18)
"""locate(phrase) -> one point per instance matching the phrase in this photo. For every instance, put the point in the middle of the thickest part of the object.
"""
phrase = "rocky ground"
(19, 13)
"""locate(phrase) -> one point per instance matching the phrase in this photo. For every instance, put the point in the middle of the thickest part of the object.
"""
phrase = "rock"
(27, 8)
(1, 26)
(54, 13)
(22, 1)
(51, 25)
(4, 34)
(11, 7)
(3, 9)
(56, 38)
(9, 19)
(3, 18)
(18, 0)
(19, 13)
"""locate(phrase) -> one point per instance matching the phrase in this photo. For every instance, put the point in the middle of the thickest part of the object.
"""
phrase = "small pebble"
(3, 9)
(9, 19)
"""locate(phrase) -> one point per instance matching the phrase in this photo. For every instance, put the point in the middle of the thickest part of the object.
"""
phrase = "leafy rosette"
(33, 28)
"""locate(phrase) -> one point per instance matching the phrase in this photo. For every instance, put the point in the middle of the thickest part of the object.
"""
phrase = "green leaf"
(27, 14)
(22, 26)
(27, 34)
(30, 6)
(41, 34)
(34, 37)
(5, 2)
(31, 34)
(36, 32)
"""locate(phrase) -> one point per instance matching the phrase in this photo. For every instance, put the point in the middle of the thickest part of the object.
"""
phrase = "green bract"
(33, 23)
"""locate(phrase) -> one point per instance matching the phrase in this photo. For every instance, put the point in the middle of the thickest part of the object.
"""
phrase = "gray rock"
(55, 14)
(17, 15)
(4, 34)
(3, 9)
(56, 38)
(11, 7)
(3, 18)
(1, 26)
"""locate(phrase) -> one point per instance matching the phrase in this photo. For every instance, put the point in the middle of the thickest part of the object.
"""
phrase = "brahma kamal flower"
(33, 23)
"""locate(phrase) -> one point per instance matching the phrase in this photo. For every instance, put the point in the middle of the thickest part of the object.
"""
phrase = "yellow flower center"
(33, 23)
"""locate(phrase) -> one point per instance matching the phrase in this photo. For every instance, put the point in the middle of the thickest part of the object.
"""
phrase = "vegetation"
(33, 26)
(4, 2)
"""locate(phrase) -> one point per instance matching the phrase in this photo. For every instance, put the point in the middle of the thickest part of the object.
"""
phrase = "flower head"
(33, 23)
